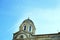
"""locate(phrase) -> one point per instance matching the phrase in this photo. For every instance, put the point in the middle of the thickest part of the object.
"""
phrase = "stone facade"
(27, 32)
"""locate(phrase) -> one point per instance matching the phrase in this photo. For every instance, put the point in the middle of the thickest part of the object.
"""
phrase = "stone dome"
(27, 23)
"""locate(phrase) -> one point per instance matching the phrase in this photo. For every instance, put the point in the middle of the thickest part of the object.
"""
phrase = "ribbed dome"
(28, 26)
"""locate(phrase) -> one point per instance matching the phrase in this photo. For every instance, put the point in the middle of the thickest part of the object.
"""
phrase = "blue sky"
(44, 13)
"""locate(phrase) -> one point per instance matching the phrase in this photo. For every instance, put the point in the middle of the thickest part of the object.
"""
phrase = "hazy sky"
(44, 13)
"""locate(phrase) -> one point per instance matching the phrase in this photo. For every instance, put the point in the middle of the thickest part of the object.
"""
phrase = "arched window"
(30, 28)
(21, 36)
(24, 27)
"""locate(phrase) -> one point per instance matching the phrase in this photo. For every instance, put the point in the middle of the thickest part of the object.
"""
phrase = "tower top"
(27, 26)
